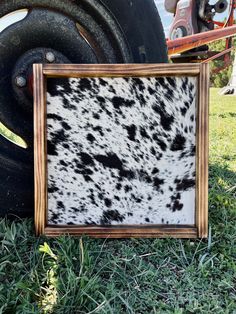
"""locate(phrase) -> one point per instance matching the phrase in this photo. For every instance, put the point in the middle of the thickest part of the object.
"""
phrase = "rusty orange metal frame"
(225, 31)
(218, 55)
(189, 42)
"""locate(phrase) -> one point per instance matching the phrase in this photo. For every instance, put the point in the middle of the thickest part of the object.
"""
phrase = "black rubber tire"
(140, 39)
(141, 24)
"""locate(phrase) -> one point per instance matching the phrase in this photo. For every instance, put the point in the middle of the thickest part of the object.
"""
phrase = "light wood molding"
(154, 231)
(119, 70)
(40, 150)
(202, 152)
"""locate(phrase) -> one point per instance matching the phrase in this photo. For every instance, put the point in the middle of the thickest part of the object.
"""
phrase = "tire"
(120, 31)
(142, 27)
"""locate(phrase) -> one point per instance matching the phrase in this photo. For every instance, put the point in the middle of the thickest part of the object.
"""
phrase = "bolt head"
(50, 57)
(20, 81)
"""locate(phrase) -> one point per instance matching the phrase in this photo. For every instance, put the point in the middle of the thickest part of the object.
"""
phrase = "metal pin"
(50, 57)
(20, 81)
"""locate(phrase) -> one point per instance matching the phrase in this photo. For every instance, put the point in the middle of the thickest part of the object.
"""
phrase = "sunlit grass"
(11, 136)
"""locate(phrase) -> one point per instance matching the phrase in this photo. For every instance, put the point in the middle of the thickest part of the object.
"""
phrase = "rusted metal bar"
(230, 22)
(189, 42)
(226, 65)
(216, 56)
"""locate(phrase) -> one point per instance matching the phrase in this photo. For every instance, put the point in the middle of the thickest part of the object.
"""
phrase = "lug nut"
(50, 57)
(20, 81)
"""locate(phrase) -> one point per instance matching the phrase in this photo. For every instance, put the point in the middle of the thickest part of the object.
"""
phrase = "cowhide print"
(122, 151)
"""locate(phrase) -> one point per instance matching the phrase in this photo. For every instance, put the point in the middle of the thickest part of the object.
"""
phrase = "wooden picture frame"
(198, 229)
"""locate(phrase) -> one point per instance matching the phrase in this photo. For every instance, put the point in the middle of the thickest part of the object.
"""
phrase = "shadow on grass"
(222, 199)
(228, 115)
(222, 172)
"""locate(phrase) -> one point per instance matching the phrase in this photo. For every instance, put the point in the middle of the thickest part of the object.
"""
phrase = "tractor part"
(185, 20)
(221, 6)
(207, 11)
(181, 45)
(61, 31)
(170, 5)
(193, 16)
(194, 48)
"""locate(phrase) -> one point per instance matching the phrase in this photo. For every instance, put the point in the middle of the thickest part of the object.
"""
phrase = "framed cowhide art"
(121, 150)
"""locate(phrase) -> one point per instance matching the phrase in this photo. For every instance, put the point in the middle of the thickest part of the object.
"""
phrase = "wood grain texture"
(40, 153)
(126, 231)
(202, 153)
(119, 70)
(67, 71)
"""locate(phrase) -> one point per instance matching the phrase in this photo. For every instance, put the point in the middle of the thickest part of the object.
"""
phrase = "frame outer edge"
(120, 70)
(41, 72)
(40, 184)
(203, 151)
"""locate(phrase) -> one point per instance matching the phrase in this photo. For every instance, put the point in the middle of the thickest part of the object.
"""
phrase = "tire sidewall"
(141, 24)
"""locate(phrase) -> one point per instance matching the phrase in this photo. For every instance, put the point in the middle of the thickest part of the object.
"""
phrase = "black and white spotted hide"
(122, 151)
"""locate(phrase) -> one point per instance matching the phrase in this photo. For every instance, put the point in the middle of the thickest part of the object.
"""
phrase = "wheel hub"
(22, 75)
(56, 31)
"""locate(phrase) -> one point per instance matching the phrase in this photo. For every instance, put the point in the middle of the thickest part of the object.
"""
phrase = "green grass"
(72, 275)
(11, 136)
